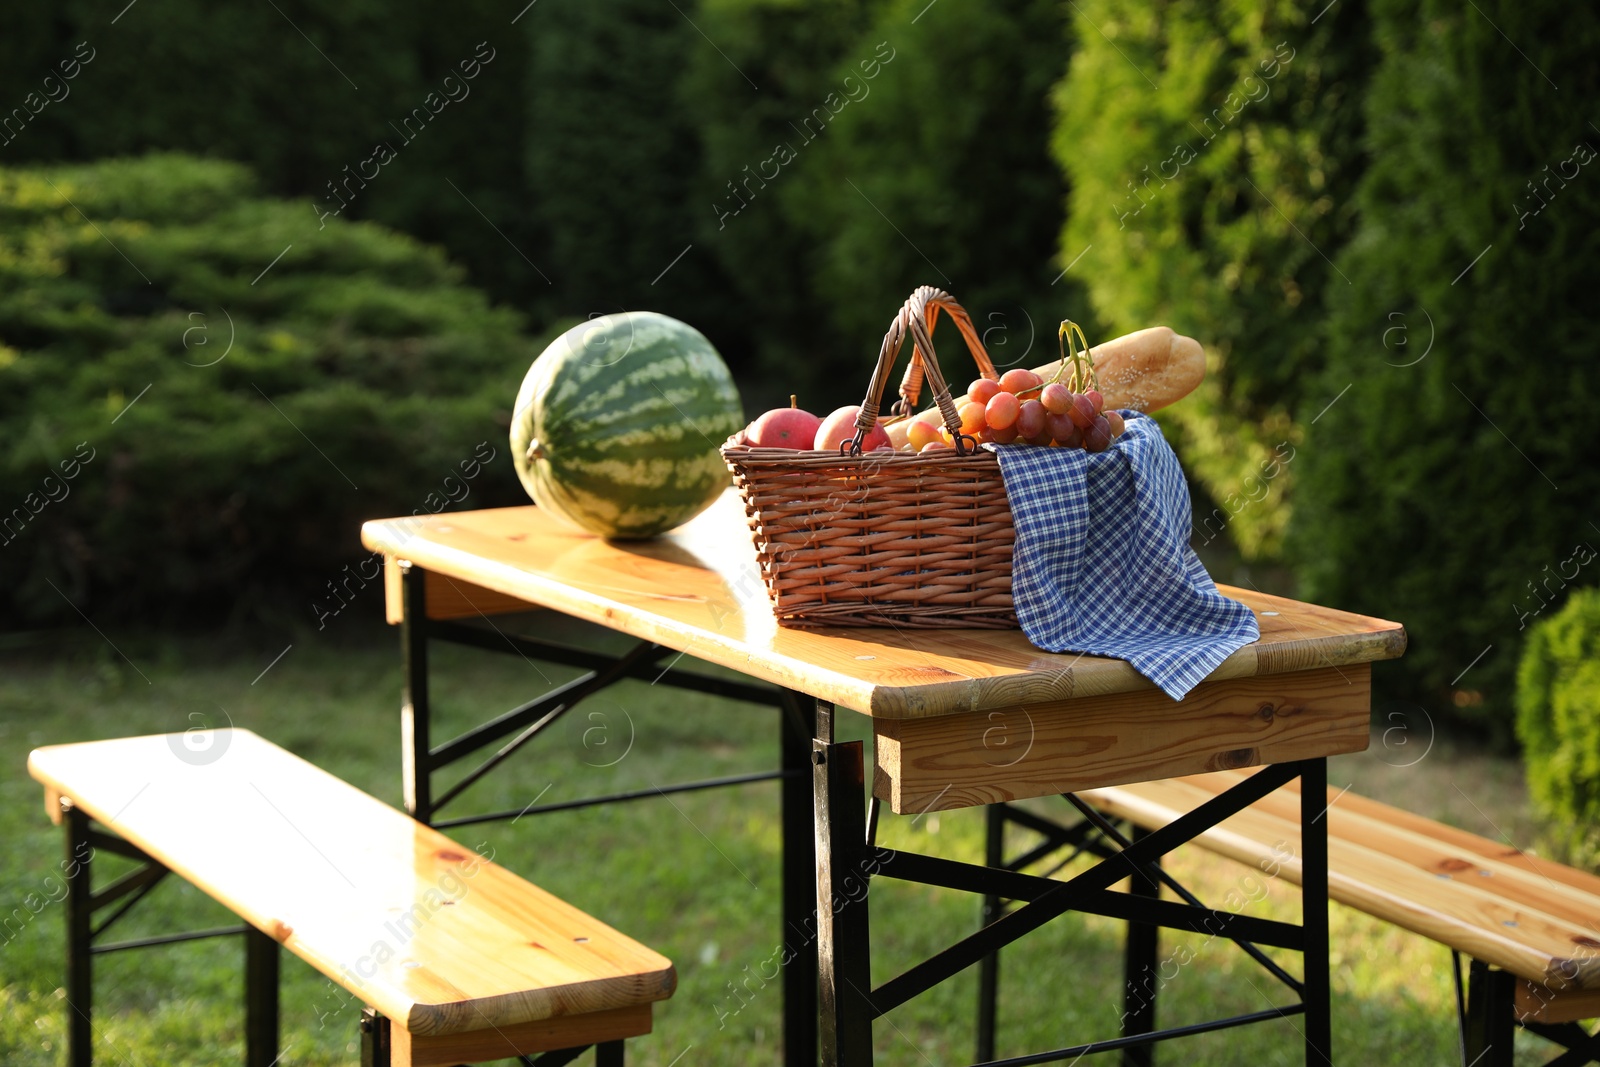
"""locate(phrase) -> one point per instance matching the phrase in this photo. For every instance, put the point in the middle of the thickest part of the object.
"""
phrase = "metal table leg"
(260, 999)
(415, 761)
(1139, 968)
(80, 918)
(374, 1039)
(994, 855)
(797, 720)
(1490, 1022)
(1314, 902)
(843, 953)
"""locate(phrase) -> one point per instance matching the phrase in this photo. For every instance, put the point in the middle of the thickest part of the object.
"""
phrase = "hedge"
(1558, 722)
(202, 397)
(1212, 151)
(1452, 475)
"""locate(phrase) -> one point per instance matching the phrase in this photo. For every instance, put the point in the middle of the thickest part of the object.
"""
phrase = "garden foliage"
(1378, 215)
(610, 158)
(1212, 150)
(1558, 722)
(200, 402)
(942, 176)
(300, 92)
(609, 141)
(757, 110)
(1452, 484)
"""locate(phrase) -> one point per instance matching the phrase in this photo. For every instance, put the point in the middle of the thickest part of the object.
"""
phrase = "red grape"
(1116, 422)
(1002, 436)
(1030, 419)
(1061, 428)
(1001, 411)
(1095, 399)
(1056, 398)
(1082, 412)
(1097, 438)
(1018, 380)
(982, 389)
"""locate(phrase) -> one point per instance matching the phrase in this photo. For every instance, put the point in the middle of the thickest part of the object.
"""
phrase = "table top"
(698, 590)
(438, 938)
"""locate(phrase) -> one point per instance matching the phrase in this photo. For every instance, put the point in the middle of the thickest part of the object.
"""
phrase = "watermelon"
(618, 422)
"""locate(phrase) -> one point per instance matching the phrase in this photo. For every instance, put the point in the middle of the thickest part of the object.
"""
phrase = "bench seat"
(440, 940)
(1532, 917)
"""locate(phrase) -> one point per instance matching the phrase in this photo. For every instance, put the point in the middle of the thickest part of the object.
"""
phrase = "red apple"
(840, 427)
(790, 427)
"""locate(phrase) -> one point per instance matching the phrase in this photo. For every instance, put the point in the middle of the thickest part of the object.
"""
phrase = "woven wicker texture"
(884, 538)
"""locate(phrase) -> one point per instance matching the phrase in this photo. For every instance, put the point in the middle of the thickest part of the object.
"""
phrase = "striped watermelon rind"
(628, 411)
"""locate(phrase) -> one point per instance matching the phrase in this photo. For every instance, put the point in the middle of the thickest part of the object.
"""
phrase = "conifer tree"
(1212, 151)
(1452, 485)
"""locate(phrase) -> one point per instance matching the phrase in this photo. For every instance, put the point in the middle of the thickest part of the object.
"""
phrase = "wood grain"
(1537, 1003)
(434, 936)
(698, 590)
(985, 757)
(1490, 900)
(1519, 877)
(475, 1046)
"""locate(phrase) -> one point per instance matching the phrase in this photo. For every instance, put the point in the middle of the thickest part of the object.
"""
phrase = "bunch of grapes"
(1022, 407)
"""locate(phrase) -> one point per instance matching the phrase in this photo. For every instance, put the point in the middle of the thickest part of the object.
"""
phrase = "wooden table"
(960, 718)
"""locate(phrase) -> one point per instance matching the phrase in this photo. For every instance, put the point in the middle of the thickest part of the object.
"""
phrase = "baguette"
(1146, 370)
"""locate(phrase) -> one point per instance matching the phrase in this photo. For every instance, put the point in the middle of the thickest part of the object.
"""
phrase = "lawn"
(695, 877)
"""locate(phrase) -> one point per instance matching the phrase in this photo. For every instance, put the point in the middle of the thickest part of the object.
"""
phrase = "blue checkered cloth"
(1102, 563)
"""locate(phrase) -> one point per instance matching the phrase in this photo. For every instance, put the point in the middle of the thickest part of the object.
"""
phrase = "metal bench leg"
(374, 1039)
(416, 766)
(1490, 1024)
(994, 855)
(608, 1054)
(80, 923)
(1139, 970)
(1314, 905)
(260, 999)
(797, 722)
(843, 952)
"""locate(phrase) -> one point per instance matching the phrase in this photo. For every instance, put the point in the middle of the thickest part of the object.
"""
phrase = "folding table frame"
(830, 856)
(846, 832)
(421, 760)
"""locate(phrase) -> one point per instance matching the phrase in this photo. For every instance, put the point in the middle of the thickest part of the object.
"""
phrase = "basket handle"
(916, 316)
(911, 384)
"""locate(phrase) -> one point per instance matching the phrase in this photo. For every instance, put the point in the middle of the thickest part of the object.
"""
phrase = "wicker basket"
(885, 538)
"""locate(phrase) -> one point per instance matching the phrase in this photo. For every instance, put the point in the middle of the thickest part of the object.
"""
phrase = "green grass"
(695, 877)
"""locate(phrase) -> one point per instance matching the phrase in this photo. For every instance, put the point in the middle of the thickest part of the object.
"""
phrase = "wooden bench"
(1530, 926)
(457, 959)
